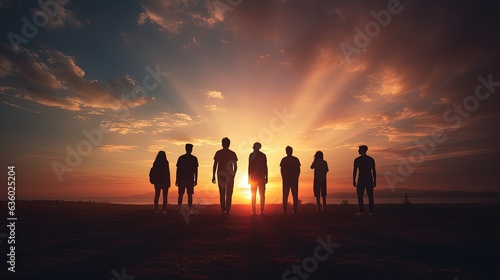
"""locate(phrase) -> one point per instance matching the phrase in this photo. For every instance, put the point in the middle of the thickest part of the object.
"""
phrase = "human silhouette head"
(318, 155)
(189, 148)
(289, 150)
(161, 157)
(226, 142)
(257, 146)
(362, 149)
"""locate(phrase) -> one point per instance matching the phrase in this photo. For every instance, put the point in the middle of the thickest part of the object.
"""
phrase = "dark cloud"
(52, 78)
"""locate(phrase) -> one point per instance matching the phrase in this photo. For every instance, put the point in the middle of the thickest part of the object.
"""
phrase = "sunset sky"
(153, 75)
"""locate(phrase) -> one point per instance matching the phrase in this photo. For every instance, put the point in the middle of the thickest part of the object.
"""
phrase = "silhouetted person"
(187, 176)
(367, 179)
(257, 176)
(160, 176)
(407, 200)
(290, 172)
(320, 167)
(225, 165)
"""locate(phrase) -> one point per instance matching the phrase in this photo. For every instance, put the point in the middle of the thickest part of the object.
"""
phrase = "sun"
(246, 193)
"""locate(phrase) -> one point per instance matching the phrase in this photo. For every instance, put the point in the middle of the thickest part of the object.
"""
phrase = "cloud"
(214, 107)
(337, 125)
(193, 42)
(215, 94)
(52, 78)
(117, 148)
(171, 16)
(20, 107)
(163, 123)
(5, 4)
(126, 126)
(163, 144)
(64, 18)
(363, 98)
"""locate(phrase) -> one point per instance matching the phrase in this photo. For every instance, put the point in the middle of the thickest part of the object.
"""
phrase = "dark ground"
(78, 240)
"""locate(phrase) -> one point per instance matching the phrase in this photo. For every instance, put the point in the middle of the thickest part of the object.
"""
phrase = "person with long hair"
(320, 167)
(160, 177)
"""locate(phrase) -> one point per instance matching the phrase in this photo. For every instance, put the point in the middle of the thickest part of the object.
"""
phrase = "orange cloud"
(117, 148)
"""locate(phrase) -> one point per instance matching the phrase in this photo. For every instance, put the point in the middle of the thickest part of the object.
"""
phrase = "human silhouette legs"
(229, 194)
(179, 200)
(295, 195)
(320, 209)
(318, 205)
(157, 196)
(190, 201)
(253, 189)
(222, 195)
(286, 191)
(360, 190)
(165, 193)
(369, 192)
(262, 194)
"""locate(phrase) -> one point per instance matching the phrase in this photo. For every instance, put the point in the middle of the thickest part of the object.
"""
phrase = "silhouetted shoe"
(370, 213)
(294, 212)
(157, 212)
(227, 213)
(359, 214)
(284, 213)
(253, 213)
(164, 212)
(317, 212)
(323, 212)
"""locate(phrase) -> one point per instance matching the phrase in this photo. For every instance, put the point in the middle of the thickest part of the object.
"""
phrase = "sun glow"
(245, 192)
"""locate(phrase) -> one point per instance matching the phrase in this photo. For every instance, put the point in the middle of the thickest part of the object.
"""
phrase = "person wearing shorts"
(320, 167)
(187, 176)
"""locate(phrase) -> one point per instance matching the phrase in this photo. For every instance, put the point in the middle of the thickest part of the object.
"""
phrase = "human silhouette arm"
(250, 169)
(213, 171)
(374, 172)
(168, 176)
(265, 161)
(354, 173)
(177, 174)
(282, 170)
(298, 167)
(195, 176)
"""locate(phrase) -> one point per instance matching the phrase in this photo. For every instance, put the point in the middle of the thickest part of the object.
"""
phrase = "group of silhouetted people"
(225, 167)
